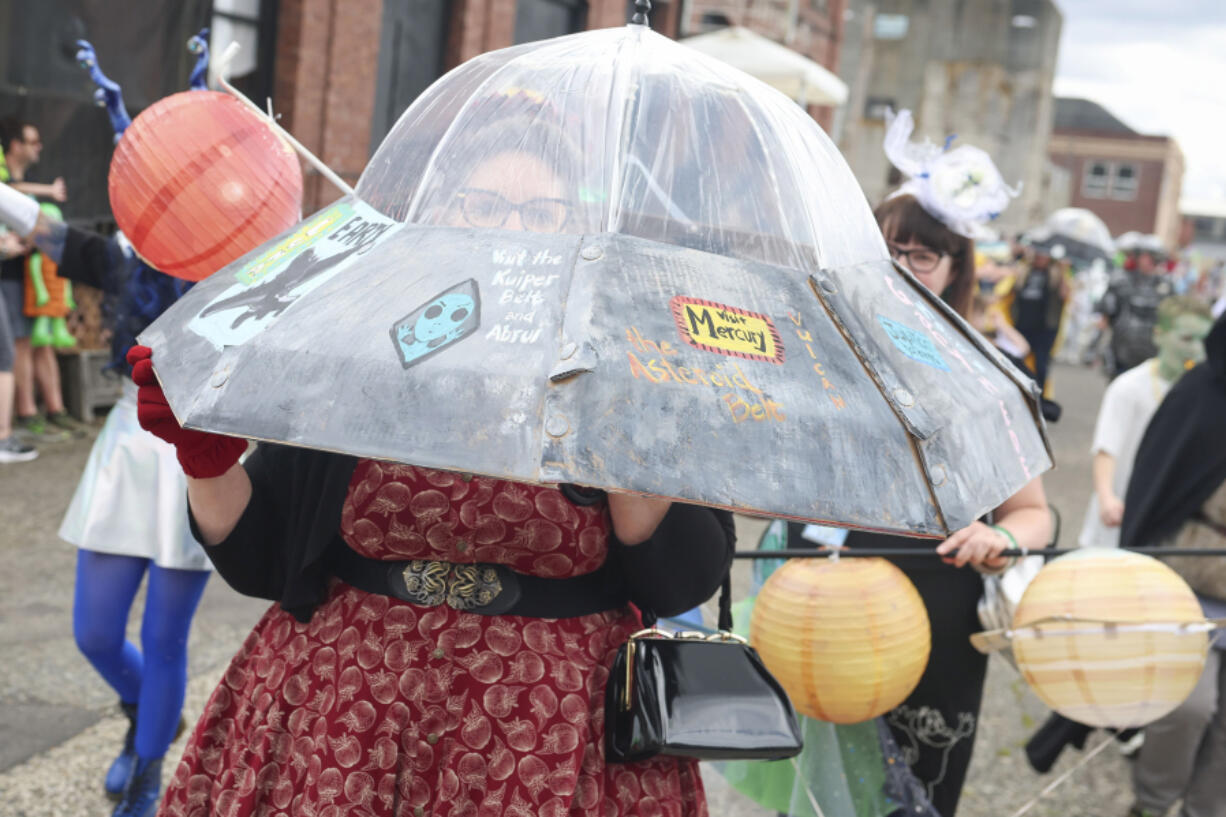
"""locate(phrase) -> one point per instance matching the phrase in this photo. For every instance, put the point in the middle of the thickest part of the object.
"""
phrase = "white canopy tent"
(795, 75)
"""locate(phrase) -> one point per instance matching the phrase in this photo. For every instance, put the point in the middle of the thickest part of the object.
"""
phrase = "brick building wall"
(1158, 164)
(324, 85)
(327, 57)
(478, 26)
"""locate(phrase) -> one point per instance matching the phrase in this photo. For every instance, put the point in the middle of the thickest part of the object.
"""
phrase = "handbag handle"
(724, 622)
(725, 603)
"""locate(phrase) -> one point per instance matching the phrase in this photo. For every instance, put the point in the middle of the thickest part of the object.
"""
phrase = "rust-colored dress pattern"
(380, 707)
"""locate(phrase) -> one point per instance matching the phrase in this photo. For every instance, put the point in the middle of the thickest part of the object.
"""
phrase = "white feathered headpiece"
(961, 187)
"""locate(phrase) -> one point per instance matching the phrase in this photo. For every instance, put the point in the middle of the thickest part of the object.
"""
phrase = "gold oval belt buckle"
(460, 586)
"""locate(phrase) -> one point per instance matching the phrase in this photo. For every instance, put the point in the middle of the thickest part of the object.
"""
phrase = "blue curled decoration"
(109, 95)
(199, 45)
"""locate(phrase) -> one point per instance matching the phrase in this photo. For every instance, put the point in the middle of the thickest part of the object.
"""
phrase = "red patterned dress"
(381, 707)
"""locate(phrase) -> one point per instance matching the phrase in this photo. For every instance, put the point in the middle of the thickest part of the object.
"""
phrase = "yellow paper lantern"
(1131, 647)
(848, 639)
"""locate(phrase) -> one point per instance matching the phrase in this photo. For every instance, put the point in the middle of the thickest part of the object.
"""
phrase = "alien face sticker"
(446, 318)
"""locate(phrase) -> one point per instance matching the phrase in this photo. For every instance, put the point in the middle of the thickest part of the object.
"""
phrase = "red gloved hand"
(201, 454)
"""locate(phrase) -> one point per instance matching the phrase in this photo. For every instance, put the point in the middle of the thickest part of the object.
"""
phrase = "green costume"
(48, 298)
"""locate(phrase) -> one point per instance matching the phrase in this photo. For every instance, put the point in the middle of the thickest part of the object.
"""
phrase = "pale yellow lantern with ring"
(1109, 638)
(848, 639)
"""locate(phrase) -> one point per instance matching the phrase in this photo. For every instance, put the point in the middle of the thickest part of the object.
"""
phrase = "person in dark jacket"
(1177, 497)
(1038, 304)
(1130, 309)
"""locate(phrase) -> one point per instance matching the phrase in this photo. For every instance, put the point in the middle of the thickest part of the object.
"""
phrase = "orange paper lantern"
(198, 180)
(1110, 638)
(848, 639)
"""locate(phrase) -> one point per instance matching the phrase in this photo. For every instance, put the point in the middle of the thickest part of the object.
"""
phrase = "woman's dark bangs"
(904, 220)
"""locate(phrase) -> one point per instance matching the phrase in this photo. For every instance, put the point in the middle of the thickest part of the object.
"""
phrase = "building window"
(1208, 228)
(890, 26)
(252, 24)
(1124, 182)
(1110, 180)
(542, 19)
(1097, 180)
(875, 107)
(412, 38)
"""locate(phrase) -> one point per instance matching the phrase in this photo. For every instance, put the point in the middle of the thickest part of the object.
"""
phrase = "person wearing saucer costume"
(128, 514)
(378, 683)
(929, 225)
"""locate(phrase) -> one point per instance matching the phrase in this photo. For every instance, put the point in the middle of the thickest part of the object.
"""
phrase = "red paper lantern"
(198, 179)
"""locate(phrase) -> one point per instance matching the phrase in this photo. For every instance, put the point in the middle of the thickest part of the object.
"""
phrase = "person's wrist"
(999, 564)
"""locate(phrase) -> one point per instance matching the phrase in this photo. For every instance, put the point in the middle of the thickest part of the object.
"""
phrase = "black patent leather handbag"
(698, 695)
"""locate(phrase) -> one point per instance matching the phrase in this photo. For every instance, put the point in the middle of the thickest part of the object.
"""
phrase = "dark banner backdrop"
(140, 44)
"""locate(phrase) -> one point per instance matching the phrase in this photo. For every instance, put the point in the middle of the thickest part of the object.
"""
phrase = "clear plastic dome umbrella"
(1081, 233)
(610, 260)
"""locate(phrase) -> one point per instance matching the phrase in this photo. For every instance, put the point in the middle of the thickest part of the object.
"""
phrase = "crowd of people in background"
(1146, 322)
(29, 372)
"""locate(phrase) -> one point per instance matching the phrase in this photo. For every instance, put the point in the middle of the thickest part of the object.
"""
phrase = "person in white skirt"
(128, 519)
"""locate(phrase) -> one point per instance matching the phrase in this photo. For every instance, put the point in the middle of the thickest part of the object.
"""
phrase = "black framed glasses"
(485, 208)
(920, 259)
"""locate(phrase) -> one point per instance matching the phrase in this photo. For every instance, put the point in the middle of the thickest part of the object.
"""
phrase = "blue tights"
(155, 676)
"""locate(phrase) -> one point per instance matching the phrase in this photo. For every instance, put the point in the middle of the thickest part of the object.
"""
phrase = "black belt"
(486, 589)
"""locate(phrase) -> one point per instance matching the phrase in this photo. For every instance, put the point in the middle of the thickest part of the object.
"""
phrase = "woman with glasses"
(927, 230)
(442, 640)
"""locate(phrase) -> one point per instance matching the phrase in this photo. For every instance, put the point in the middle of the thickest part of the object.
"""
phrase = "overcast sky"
(1158, 65)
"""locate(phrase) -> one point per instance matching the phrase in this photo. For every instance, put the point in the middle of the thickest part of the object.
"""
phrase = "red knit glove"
(201, 454)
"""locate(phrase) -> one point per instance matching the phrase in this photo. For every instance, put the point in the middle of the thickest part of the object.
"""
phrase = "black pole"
(818, 553)
(641, 9)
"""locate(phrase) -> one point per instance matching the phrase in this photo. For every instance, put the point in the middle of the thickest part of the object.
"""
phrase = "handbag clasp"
(722, 636)
(631, 646)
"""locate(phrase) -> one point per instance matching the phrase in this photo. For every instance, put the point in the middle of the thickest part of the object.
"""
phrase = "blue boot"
(140, 798)
(121, 769)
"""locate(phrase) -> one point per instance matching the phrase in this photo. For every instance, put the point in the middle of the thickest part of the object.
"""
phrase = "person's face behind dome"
(512, 191)
(931, 267)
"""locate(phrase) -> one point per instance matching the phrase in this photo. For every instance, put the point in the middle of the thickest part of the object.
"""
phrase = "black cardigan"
(1181, 460)
(278, 548)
